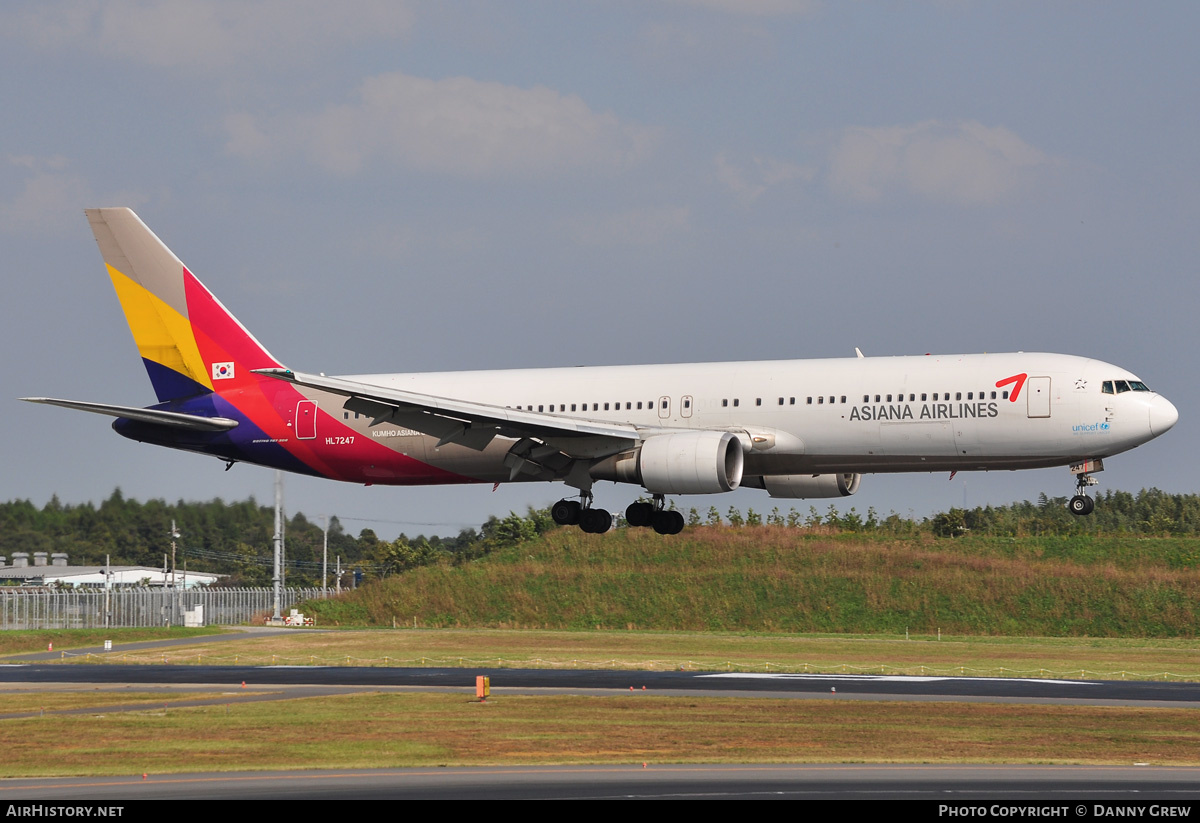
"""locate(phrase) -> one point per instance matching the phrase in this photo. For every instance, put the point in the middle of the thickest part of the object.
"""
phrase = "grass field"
(16, 641)
(795, 581)
(133, 730)
(1092, 658)
(394, 730)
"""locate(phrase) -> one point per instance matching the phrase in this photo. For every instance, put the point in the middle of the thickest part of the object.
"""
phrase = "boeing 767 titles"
(794, 428)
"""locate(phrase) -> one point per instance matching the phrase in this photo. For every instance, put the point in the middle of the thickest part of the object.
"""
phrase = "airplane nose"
(1163, 415)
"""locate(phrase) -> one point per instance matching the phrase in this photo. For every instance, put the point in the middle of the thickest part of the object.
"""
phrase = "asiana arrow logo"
(1016, 381)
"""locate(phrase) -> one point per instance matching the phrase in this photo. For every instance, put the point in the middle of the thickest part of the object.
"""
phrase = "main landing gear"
(580, 513)
(1081, 504)
(653, 514)
(597, 521)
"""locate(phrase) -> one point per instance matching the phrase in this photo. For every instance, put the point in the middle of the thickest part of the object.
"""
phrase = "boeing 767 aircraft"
(794, 428)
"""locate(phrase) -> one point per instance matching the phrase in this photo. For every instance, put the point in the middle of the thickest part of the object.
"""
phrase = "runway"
(943, 784)
(578, 681)
(1069, 787)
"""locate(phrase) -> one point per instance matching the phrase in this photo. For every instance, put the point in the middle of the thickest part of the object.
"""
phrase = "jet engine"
(700, 462)
(802, 486)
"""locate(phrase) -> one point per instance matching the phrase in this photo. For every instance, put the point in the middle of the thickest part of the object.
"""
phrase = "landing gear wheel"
(595, 521)
(566, 512)
(1081, 504)
(639, 514)
(668, 522)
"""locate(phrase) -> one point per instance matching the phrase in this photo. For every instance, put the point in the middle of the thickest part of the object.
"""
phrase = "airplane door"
(664, 407)
(685, 406)
(306, 420)
(1038, 396)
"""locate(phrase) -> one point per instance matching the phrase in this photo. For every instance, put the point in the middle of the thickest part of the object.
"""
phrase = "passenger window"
(639, 404)
(735, 401)
(809, 401)
(791, 401)
(876, 398)
(843, 398)
(889, 398)
(758, 401)
(1005, 394)
(924, 397)
(866, 398)
(970, 395)
(725, 402)
(781, 401)
(820, 401)
(606, 407)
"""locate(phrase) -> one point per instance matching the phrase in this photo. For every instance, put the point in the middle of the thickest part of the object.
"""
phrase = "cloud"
(48, 199)
(210, 35)
(965, 163)
(51, 198)
(764, 173)
(457, 126)
(635, 227)
(756, 8)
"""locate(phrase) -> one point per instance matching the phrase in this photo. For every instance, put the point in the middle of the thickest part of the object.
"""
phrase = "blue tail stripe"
(170, 384)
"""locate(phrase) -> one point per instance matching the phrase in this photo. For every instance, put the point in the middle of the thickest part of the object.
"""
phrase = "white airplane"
(794, 428)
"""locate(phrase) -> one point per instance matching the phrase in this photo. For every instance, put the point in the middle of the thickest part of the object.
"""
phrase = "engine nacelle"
(700, 462)
(802, 486)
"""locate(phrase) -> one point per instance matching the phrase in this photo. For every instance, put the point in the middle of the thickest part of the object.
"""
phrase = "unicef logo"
(1103, 427)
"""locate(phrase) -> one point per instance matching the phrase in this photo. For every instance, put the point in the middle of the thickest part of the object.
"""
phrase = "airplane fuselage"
(864, 415)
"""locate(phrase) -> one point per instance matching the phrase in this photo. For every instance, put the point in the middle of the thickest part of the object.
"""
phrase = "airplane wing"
(548, 444)
(162, 418)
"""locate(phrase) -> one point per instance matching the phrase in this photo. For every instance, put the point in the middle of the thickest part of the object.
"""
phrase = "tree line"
(235, 539)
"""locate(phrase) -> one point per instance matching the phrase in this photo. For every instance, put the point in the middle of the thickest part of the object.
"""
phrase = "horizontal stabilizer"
(160, 418)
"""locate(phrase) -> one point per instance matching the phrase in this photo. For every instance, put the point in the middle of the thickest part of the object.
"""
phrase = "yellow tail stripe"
(161, 333)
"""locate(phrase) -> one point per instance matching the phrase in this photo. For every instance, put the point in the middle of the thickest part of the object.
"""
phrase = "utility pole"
(174, 588)
(325, 557)
(277, 580)
(174, 537)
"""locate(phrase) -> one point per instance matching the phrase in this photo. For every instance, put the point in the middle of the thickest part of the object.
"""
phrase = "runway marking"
(896, 678)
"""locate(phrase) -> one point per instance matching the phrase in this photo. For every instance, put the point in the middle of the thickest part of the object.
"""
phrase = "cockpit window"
(1106, 387)
(1122, 386)
(1138, 385)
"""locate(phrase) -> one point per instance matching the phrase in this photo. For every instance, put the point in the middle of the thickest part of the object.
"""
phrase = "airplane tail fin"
(189, 342)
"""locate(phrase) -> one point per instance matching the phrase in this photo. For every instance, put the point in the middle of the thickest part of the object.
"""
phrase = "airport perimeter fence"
(141, 608)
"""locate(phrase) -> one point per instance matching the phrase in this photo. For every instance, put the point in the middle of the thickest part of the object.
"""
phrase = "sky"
(424, 186)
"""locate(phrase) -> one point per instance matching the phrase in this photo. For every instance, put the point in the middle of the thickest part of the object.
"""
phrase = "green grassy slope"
(779, 579)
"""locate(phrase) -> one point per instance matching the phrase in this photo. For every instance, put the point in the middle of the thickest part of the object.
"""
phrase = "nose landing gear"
(1081, 504)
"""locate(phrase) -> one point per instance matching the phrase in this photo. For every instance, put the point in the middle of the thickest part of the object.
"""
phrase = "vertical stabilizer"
(189, 342)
